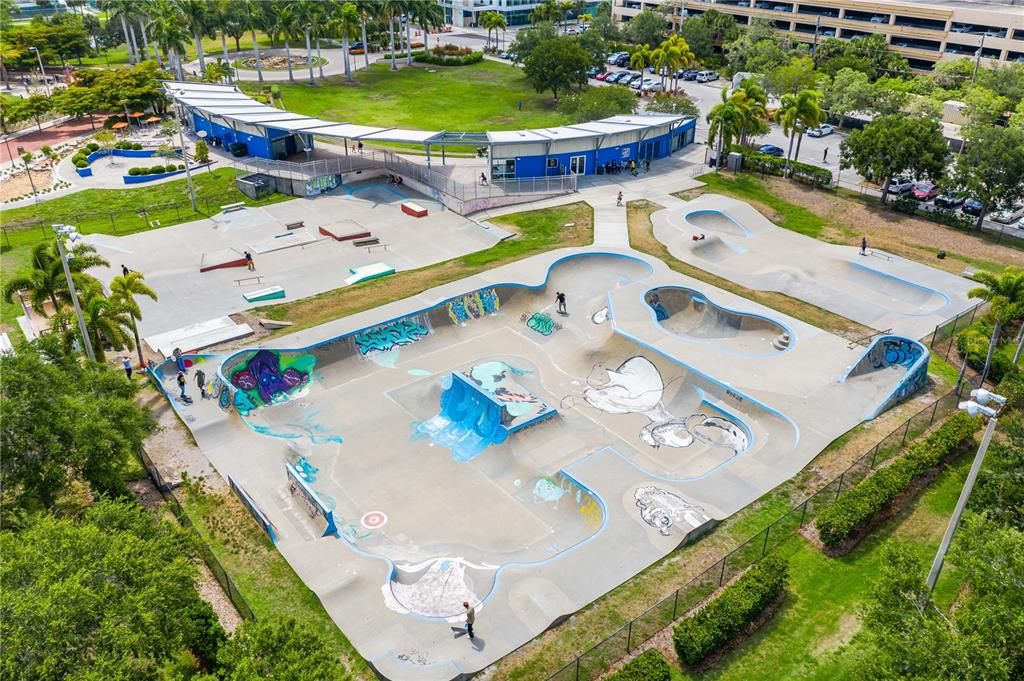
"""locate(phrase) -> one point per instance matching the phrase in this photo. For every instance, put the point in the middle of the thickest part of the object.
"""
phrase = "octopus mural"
(636, 387)
(269, 376)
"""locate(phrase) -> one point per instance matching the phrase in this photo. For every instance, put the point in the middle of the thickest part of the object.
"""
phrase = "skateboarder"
(863, 245)
(618, 201)
(181, 385)
(560, 299)
(249, 263)
(470, 618)
(201, 382)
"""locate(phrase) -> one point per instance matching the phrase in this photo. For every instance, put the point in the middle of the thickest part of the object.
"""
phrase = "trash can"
(734, 162)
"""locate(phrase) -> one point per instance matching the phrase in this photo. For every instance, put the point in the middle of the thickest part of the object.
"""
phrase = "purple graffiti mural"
(264, 375)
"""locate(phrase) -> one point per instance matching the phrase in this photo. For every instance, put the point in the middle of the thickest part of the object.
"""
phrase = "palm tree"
(492, 21)
(364, 12)
(308, 14)
(123, 289)
(8, 53)
(680, 56)
(106, 322)
(640, 58)
(798, 113)
(197, 18)
(123, 11)
(255, 19)
(170, 34)
(46, 282)
(751, 100)
(429, 15)
(219, 20)
(1005, 293)
(284, 23)
(726, 121)
(390, 8)
(345, 22)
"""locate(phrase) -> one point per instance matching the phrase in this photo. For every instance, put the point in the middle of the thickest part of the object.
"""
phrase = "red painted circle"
(374, 520)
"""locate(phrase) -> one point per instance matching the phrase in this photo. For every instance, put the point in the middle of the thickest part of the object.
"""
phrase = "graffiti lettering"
(474, 305)
(541, 323)
(396, 334)
(738, 398)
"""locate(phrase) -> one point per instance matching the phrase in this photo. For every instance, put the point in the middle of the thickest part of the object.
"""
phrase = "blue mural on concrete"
(893, 352)
(390, 336)
(474, 305)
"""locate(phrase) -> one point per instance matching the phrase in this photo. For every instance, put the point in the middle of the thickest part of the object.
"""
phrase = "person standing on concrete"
(470, 618)
(560, 299)
(249, 262)
(181, 385)
(618, 201)
(201, 382)
(125, 270)
(863, 245)
(824, 158)
(647, 165)
(126, 362)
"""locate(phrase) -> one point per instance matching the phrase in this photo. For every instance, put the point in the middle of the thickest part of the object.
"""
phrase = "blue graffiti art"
(389, 336)
(899, 351)
(263, 376)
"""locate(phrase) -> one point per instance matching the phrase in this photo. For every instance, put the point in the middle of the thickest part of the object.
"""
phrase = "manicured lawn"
(472, 98)
(211, 49)
(748, 188)
(111, 211)
(538, 230)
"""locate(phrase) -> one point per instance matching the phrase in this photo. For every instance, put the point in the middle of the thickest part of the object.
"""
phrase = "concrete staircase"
(781, 342)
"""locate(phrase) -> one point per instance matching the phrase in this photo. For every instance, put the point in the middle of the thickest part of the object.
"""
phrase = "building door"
(578, 165)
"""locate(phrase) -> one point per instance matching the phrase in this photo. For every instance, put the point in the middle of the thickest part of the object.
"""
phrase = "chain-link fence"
(592, 663)
(225, 581)
(943, 338)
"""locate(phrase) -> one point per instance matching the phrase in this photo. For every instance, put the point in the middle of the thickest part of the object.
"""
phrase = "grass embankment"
(262, 575)
(473, 98)
(537, 230)
(111, 211)
(641, 237)
(749, 188)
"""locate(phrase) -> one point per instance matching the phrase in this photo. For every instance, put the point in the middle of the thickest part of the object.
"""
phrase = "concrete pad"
(198, 336)
(283, 240)
(666, 423)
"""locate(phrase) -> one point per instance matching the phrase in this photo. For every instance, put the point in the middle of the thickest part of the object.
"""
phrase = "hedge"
(648, 666)
(1012, 388)
(437, 60)
(978, 335)
(859, 504)
(755, 161)
(731, 611)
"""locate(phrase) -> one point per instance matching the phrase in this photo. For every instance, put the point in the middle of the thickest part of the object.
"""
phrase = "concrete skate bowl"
(693, 316)
(715, 221)
(901, 295)
(890, 361)
(713, 248)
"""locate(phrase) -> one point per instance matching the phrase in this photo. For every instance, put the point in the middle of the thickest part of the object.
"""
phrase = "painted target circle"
(374, 520)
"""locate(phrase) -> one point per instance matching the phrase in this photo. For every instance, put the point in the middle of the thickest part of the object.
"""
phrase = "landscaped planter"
(84, 172)
(139, 179)
(127, 153)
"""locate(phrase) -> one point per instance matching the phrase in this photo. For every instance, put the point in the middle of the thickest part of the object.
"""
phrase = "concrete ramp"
(198, 336)
(713, 248)
(716, 221)
(221, 259)
(283, 240)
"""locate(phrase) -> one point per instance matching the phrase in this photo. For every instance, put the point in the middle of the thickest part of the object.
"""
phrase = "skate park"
(879, 290)
(472, 444)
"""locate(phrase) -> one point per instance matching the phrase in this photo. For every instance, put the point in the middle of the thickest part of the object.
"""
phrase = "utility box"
(734, 162)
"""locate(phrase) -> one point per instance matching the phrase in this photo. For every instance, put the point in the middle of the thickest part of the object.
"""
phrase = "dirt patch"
(211, 592)
(848, 219)
(19, 184)
(171, 446)
(849, 625)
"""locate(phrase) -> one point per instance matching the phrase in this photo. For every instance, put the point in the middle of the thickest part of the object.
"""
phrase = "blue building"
(226, 116)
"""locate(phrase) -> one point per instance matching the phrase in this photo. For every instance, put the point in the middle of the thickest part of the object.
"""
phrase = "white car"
(962, 28)
(651, 87)
(901, 185)
(707, 76)
(1007, 215)
(821, 130)
(1020, 223)
(640, 83)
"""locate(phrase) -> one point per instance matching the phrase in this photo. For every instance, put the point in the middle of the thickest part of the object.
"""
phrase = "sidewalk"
(52, 136)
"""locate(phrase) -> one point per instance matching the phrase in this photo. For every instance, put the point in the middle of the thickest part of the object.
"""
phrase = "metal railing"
(221, 575)
(593, 662)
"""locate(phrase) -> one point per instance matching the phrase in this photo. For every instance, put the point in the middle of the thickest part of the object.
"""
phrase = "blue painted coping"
(84, 172)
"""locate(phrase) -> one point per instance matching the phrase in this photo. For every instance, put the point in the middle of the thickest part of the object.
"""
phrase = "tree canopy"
(647, 28)
(277, 650)
(557, 64)
(599, 102)
(991, 168)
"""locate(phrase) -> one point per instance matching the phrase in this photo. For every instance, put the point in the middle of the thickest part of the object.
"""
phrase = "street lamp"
(41, 69)
(976, 406)
(71, 234)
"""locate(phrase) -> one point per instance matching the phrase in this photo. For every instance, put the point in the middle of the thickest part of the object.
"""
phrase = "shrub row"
(647, 666)
(755, 161)
(858, 505)
(441, 60)
(734, 608)
(123, 144)
(156, 170)
(1012, 388)
(973, 343)
(905, 203)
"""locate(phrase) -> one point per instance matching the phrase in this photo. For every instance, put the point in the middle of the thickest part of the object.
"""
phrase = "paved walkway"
(51, 136)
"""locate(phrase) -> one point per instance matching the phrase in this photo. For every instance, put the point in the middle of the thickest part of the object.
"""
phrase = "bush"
(1012, 387)
(81, 163)
(973, 343)
(136, 171)
(449, 50)
(860, 503)
(648, 666)
(731, 611)
(109, 122)
(136, 146)
(92, 146)
(202, 632)
(122, 144)
(79, 157)
(756, 162)
(156, 170)
(181, 166)
(905, 203)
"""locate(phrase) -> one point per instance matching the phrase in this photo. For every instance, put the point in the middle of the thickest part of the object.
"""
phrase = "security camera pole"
(974, 407)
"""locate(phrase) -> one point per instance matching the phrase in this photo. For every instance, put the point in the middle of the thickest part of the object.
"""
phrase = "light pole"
(184, 154)
(41, 69)
(71, 234)
(974, 407)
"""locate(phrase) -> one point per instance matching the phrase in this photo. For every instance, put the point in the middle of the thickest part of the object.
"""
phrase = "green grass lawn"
(815, 633)
(474, 98)
(211, 49)
(749, 188)
(111, 211)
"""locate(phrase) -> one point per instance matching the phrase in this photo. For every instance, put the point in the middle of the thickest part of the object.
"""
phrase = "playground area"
(299, 248)
(475, 444)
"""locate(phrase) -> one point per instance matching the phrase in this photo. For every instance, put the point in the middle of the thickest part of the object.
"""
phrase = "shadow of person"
(478, 643)
(459, 632)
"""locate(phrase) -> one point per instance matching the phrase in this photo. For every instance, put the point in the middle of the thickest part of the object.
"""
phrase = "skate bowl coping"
(716, 221)
(693, 316)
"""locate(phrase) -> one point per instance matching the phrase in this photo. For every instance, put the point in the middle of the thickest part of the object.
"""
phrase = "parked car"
(633, 78)
(901, 185)
(962, 28)
(647, 88)
(687, 74)
(925, 191)
(613, 58)
(1007, 214)
(950, 200)
(594, 72)
(707, 76)
(505, 55)
(604, 75)
(357, 46)
(821, 130)
(616, 77)
(1020, 223)
(638, 83)
(771, 150)
(879, 19)
(995, 33)
(973, 207)
(622, 59)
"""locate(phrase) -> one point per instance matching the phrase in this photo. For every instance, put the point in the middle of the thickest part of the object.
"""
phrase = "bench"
(372, 241)
(227, 208)
(295, 225)
(257, 277)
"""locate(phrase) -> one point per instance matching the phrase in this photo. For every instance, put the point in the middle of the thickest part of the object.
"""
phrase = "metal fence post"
(840, 487)
(873, 455)
(764, 549)
(675, 603)
(905, 431)
(577, 669)
(803, 513)
(721, 577)
(934, 412)
(629, 636)
(935, 334)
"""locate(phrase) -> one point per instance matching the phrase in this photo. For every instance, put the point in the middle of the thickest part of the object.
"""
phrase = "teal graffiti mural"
(390, 336)
(541, 323)
(269, 376)
(474, 305)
